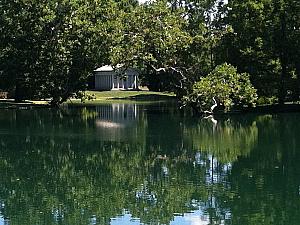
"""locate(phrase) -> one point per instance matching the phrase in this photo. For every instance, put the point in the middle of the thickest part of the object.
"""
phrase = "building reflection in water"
(119, 122)
(116, 115)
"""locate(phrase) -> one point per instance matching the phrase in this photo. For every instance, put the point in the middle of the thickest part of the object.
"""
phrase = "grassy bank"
(124, 97)
(10, 103)
(128, 94)
(98, 97)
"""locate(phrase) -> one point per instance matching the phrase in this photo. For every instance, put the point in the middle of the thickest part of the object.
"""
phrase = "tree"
(152, 38)
(263, 44)
(225, 86)
(51, 47)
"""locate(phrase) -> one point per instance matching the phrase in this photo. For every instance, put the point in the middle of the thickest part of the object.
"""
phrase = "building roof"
(107, 68)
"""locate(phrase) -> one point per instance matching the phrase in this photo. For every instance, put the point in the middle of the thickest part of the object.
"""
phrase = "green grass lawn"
(10, 103)
(125, 97)
(128, 94)
(100, 97)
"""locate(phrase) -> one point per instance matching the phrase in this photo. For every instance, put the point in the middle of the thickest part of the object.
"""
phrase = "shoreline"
(105, 97)
(145, 97)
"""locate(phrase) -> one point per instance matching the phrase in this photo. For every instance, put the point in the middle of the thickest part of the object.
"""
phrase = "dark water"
(147, 164)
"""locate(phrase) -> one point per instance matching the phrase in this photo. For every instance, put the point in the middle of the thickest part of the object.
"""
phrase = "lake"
(136, 164)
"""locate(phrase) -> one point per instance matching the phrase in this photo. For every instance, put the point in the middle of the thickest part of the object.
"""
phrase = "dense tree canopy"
(263, 43)
(48, 49)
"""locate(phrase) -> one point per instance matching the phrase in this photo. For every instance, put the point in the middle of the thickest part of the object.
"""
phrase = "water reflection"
(116, 115)
(155, 167)
(226, 139)
(117, 122)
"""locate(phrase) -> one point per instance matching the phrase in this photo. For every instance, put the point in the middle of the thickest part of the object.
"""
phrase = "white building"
(107, 78)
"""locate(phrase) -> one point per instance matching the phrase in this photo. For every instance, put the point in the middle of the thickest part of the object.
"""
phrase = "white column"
(135, 81)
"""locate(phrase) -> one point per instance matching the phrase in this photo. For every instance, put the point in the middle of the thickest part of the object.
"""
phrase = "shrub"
(224, 84)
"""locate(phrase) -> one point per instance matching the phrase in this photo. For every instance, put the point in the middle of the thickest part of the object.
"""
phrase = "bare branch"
(159, 69)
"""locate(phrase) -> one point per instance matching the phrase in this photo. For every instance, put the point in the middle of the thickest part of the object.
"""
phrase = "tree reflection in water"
(61, 167)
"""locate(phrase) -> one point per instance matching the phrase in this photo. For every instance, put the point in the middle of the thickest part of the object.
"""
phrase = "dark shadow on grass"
(146, 97)
(11, 104)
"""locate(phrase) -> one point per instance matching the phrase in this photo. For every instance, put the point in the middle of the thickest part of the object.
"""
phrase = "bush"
(263, 100)
(226, 86)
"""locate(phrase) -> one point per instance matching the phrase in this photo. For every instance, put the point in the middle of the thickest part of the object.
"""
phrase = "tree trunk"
(283, 59)
(19, 91)
(282, 92)
(298, 79)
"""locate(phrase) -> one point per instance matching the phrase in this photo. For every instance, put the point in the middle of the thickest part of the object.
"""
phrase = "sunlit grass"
(127, 94)
(100, 97)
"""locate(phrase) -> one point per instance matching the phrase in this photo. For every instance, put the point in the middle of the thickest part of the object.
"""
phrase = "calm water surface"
(147, 164)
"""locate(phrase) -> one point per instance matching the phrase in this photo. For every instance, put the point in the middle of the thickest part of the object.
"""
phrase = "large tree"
(151, 37)
(170, 41)
(265, 33)
(49, 48)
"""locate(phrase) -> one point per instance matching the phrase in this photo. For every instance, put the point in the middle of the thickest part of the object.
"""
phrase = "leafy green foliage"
(151, 37)
(48, 49)
(262, 43)
(52, 46)
(224, 84)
